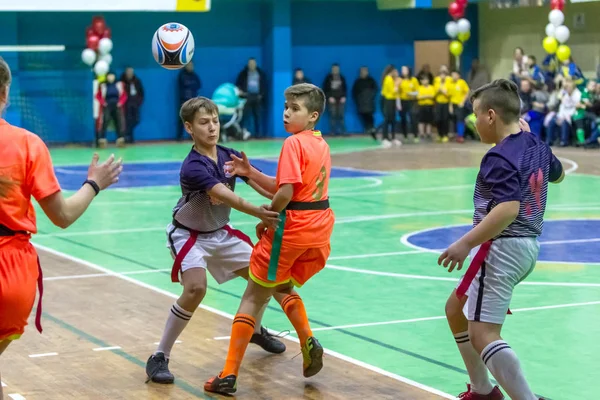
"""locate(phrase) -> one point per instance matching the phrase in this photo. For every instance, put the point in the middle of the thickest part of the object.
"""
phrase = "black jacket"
(242, 81)
(364, 92)
(335, 92)
(138, 99)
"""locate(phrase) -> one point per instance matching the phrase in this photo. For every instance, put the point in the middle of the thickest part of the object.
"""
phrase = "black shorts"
(426, 115)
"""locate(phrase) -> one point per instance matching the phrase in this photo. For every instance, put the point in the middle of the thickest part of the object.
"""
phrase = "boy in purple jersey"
(510, 199)
(200, 237)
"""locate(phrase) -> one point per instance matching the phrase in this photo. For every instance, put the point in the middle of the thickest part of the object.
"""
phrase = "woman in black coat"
(364, 92)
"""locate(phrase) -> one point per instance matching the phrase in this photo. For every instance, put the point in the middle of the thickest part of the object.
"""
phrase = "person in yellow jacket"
(409, 89)
(442, 84)
(426, 102)
(459, 94)
(389, 94)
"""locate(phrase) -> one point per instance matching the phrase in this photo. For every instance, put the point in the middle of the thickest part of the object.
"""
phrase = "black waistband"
(308, 205)
(179, 225)
(5, 231)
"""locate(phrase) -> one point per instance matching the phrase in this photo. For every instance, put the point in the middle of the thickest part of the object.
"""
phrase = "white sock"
(176, 323)
(506, 368)
(478, 373)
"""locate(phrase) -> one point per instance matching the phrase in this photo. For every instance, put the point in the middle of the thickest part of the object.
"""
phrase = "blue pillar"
(277, 54)
(9, 37)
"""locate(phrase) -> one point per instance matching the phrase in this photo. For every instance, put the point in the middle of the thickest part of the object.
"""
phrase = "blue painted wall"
(352, 33)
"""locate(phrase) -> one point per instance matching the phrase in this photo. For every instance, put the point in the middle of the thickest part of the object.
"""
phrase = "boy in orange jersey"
(26, 171)
(299, 247)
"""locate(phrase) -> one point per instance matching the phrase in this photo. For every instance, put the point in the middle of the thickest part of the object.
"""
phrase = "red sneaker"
(495, 394)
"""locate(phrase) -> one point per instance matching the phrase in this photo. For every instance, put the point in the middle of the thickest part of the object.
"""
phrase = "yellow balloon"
(563, 52)
(550, 45)
(101, 78)
(464, 36)
(456, 48)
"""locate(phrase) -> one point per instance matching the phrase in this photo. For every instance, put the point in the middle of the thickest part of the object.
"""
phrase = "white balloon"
(101, 68)
(562, 33)
(106, 57)
(105, 45)
(556, 17)
(550, 29)
(452, 29)
(88, 56)
(464, 25)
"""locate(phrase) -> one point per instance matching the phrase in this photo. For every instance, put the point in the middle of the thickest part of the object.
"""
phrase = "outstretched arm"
(64, 211)
(223, 194)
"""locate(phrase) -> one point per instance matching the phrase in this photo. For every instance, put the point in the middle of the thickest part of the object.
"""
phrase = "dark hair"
(502, 96)
(532, 58)
(5, 75)
(192, 106)
(386, 71)
(313, 96)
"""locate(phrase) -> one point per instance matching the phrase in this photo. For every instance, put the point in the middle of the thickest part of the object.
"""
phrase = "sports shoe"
(267, 341)
(312, 354)
(495, 394)
(396, 142)
(120, 142)
(386, 144)
(225, 385)
(157, 369)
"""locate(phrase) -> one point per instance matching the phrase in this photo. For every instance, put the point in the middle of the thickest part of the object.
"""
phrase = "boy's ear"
(188, 127)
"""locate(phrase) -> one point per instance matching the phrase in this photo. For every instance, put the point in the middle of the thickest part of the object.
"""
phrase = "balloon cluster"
(98, 47)
(556, 32)
(459, 30)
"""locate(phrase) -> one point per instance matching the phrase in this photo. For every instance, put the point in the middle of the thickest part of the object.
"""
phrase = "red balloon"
(89, 31)
(99, 25)
(557, 5)
(92, 42)
(107, 33)
(462, 3)
(456, 11)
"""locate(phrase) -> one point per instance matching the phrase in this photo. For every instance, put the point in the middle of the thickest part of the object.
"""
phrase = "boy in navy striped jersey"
(510, 200)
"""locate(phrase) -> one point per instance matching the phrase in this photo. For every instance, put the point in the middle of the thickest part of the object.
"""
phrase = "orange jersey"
(25, 161)
(305, 162)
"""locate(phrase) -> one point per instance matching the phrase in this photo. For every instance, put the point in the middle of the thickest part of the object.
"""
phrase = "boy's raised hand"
(239, 166)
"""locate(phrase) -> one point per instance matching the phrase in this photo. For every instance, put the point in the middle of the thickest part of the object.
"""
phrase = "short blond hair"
(313, 96)
(192, 106)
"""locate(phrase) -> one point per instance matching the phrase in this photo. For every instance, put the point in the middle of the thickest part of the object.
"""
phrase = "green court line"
(99, 342)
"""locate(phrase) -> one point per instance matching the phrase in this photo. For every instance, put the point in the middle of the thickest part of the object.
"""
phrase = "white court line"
(229, 316)
(106, 348)
(344, 220)
(574, 165)
(16, 396)
(222, 338)
(3, 384)
(404, 321)
(42, 355)
(86, 276)
(176, 342)
(437, 278)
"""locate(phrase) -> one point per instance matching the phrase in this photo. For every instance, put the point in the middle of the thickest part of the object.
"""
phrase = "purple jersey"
(517, 169)
(196, 209)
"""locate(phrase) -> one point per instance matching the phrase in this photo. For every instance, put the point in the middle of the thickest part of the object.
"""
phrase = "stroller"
(231, 112)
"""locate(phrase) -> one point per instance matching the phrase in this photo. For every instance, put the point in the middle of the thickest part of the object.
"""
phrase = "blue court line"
(167, 174)
(553, 231)
(279, 310)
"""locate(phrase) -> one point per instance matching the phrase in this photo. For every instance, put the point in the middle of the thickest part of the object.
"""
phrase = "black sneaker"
(157, 369)
(267, 341)
(225, 385)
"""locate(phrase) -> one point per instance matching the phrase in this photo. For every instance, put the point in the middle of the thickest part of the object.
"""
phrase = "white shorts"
(508, 262)
(221, 253)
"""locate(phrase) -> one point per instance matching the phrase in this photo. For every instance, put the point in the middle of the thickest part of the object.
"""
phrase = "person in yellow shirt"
(389, 94)
(459, 94)
(442, 85)
(426, 102)
(409, 88)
